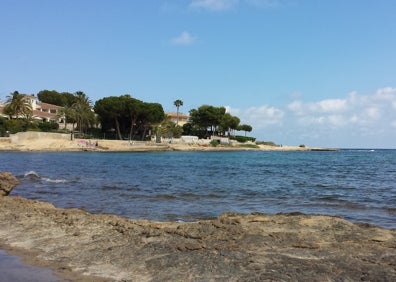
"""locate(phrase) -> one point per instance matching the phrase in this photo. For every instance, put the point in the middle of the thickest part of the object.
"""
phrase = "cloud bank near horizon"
(369, 116)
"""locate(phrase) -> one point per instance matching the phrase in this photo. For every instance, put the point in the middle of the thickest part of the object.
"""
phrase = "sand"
(38, 141)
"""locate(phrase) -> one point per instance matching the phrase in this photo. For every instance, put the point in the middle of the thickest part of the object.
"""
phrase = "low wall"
(33, 135)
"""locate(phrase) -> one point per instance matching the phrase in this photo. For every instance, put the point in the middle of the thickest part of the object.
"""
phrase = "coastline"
(81, 246)
(55, 142)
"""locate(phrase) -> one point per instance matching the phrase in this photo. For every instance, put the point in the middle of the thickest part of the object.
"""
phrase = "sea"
(356, 184)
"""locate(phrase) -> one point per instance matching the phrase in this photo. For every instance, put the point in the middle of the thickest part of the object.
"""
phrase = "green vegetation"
(120, 117)
(214, 143)
(208, 121)
(251, 146)
(128, 116)
(243, 139)
(11, 126)
(178, 103)
(267, 143)
(48, 126)
(17, 107)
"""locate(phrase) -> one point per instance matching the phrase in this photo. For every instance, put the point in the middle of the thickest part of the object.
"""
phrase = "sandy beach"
(40, 141)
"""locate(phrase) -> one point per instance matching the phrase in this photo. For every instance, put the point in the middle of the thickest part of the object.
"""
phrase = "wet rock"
(7, 183)
(233, 247)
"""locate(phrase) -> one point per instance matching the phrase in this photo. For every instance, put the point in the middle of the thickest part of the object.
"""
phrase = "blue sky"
(319, 73)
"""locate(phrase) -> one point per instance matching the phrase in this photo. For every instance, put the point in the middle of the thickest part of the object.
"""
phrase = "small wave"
(35, 176)
(53, 180)
(32, 175)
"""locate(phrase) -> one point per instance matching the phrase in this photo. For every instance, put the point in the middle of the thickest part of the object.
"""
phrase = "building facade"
(40, 111)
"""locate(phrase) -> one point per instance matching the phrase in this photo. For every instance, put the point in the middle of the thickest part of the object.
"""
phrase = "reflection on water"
(13, 269)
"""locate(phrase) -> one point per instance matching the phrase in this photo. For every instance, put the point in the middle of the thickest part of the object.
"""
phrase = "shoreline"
(82, 246)
(54, 142)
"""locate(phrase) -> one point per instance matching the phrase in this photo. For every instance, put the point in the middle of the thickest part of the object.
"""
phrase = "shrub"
(242, 139)
(16, 125)
(214, 143)
(48, 126)
(267, 143)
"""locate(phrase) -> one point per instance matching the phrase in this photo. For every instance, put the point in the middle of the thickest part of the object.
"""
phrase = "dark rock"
(7, 183)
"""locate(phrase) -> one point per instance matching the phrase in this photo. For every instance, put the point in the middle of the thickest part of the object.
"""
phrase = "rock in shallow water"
(7, 183)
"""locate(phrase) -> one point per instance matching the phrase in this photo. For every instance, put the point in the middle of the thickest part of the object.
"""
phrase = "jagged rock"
(7, 183)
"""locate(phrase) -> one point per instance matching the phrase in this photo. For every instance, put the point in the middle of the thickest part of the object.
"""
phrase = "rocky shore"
(56, 142)
(81, 246)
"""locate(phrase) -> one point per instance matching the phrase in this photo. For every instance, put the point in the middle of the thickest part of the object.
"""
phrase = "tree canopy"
(209, 120)
(128, 116)
(63, 99)
(17, 106)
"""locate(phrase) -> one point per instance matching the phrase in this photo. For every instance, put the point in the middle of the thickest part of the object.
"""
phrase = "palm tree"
(82, 110)
(68, 113)
(178, 103)
(17, 106)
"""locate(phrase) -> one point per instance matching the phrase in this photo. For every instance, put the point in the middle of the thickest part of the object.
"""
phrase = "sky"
(318, 73)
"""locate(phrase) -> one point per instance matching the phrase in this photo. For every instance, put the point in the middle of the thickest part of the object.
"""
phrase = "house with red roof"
(40, 111)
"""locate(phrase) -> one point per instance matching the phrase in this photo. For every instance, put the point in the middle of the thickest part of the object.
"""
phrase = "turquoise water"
(358, 185)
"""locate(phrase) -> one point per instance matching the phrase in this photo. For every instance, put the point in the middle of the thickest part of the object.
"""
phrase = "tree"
(70, 115)
(50, 97)
(229, 123)
(110, 111)
(83, 112)
(17, 106)
(152, 113)
(169, 129)
(178, 103)
(128, 115)
(133, 108)
(245, 127)
(207, 117)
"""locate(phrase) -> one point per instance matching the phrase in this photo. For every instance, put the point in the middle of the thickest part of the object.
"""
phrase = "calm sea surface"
(359, 185)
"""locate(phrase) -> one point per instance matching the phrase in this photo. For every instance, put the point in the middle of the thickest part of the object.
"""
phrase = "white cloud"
(356, 120)
(223, 5)
(183, 39)
(297, 107)
(258, 117)
(385, 94)
(373, 113)
(354, 109)
(332, 105)
(264, 3)
(324, 106)
(214, 5)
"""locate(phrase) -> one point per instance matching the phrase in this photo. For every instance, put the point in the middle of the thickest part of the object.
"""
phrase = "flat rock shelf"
(233, 247)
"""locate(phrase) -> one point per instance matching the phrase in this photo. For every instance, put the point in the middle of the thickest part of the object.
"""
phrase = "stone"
(233, 247)
(7, 183)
